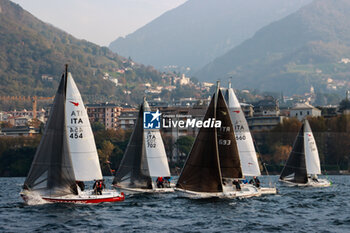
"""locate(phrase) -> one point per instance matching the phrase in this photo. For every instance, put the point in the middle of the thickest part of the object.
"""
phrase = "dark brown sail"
(295, 168)
(228, 151)
(201, 172)
(52, 172)
(133, 170)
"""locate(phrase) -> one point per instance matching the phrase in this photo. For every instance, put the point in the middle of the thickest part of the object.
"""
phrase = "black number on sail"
(76, 135)
(240, 137)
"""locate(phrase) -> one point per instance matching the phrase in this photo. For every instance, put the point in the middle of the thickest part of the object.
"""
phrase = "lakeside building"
(266, 115)
(303, 110)
(127, 118)
(19, 131)
(105, 113)
(263, 123)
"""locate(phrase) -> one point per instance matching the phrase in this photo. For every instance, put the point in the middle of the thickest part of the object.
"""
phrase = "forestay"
(311, 153)
(247, 153)
(80, 138)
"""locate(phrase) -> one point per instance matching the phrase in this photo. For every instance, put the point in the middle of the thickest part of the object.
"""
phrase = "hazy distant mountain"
(198, 31)
(309, 47)
(30, 49)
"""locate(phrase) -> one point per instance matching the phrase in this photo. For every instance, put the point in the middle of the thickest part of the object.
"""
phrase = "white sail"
(312, 159)
(247, 153)
(81, 141)
(155, 151)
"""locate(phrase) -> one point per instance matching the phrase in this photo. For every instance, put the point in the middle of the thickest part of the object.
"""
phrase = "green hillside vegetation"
(303, 49)
(31, 48)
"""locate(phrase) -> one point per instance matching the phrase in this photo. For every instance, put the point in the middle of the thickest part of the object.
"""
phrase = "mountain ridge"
(305, 47)
(198, 31)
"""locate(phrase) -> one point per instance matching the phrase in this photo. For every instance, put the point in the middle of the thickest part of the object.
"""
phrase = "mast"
(230, 164)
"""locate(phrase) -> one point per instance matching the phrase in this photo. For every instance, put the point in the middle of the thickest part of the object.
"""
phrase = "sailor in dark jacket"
(255, 181)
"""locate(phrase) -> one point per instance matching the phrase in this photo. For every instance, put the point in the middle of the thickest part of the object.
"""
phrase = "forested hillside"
(310, 47)
(32, 50)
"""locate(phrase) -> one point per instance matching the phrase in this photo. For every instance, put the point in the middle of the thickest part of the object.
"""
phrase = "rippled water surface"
(293, 209)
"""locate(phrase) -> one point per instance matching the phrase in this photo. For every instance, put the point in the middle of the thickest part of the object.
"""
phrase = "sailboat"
(144, 159)
(213, 163)
(66, 154)
(303, 164)
(247, 153)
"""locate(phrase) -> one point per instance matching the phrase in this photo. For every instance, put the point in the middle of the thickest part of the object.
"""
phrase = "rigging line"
(263, 163)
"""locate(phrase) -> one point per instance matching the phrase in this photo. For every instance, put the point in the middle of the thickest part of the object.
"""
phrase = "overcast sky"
(98, 21)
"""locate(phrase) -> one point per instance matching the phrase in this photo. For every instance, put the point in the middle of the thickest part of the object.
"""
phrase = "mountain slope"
(30, 48)
(292, 54)
(198, 31)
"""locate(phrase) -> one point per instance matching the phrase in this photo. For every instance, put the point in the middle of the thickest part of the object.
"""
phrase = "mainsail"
(247, 153)
(311, 153)
(227, 147)
(144, 157)
(201, 172)
(295, 168)
(52, 172)
(81, 140)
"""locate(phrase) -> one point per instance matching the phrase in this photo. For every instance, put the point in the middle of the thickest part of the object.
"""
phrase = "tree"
(184, 144)
(281, 153)
(105, 153)
(97, 126)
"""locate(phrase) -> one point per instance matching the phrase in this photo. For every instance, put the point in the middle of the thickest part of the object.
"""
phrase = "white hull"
(85, 197)
(310, 183)
(228, 193)
(266, 191)
(139, 190)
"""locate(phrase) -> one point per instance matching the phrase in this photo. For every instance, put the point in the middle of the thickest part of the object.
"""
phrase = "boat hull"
(83, 198)
(247, 191)
(267, 191)
(310, 183)
(139, 190)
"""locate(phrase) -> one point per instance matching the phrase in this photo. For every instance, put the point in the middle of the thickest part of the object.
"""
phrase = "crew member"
(98, 187)
(255, 181)
(160, 182)
(237, 184)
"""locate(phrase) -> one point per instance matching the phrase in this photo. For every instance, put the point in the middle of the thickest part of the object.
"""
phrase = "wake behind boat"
(303, 164)
(144, 167)
(213, 167)
(246, 150)
(67, 154)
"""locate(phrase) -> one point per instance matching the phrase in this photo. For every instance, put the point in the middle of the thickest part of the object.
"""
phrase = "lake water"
(292, 210)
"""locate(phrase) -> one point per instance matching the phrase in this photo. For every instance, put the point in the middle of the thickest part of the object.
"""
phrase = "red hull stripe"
(86, 201)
